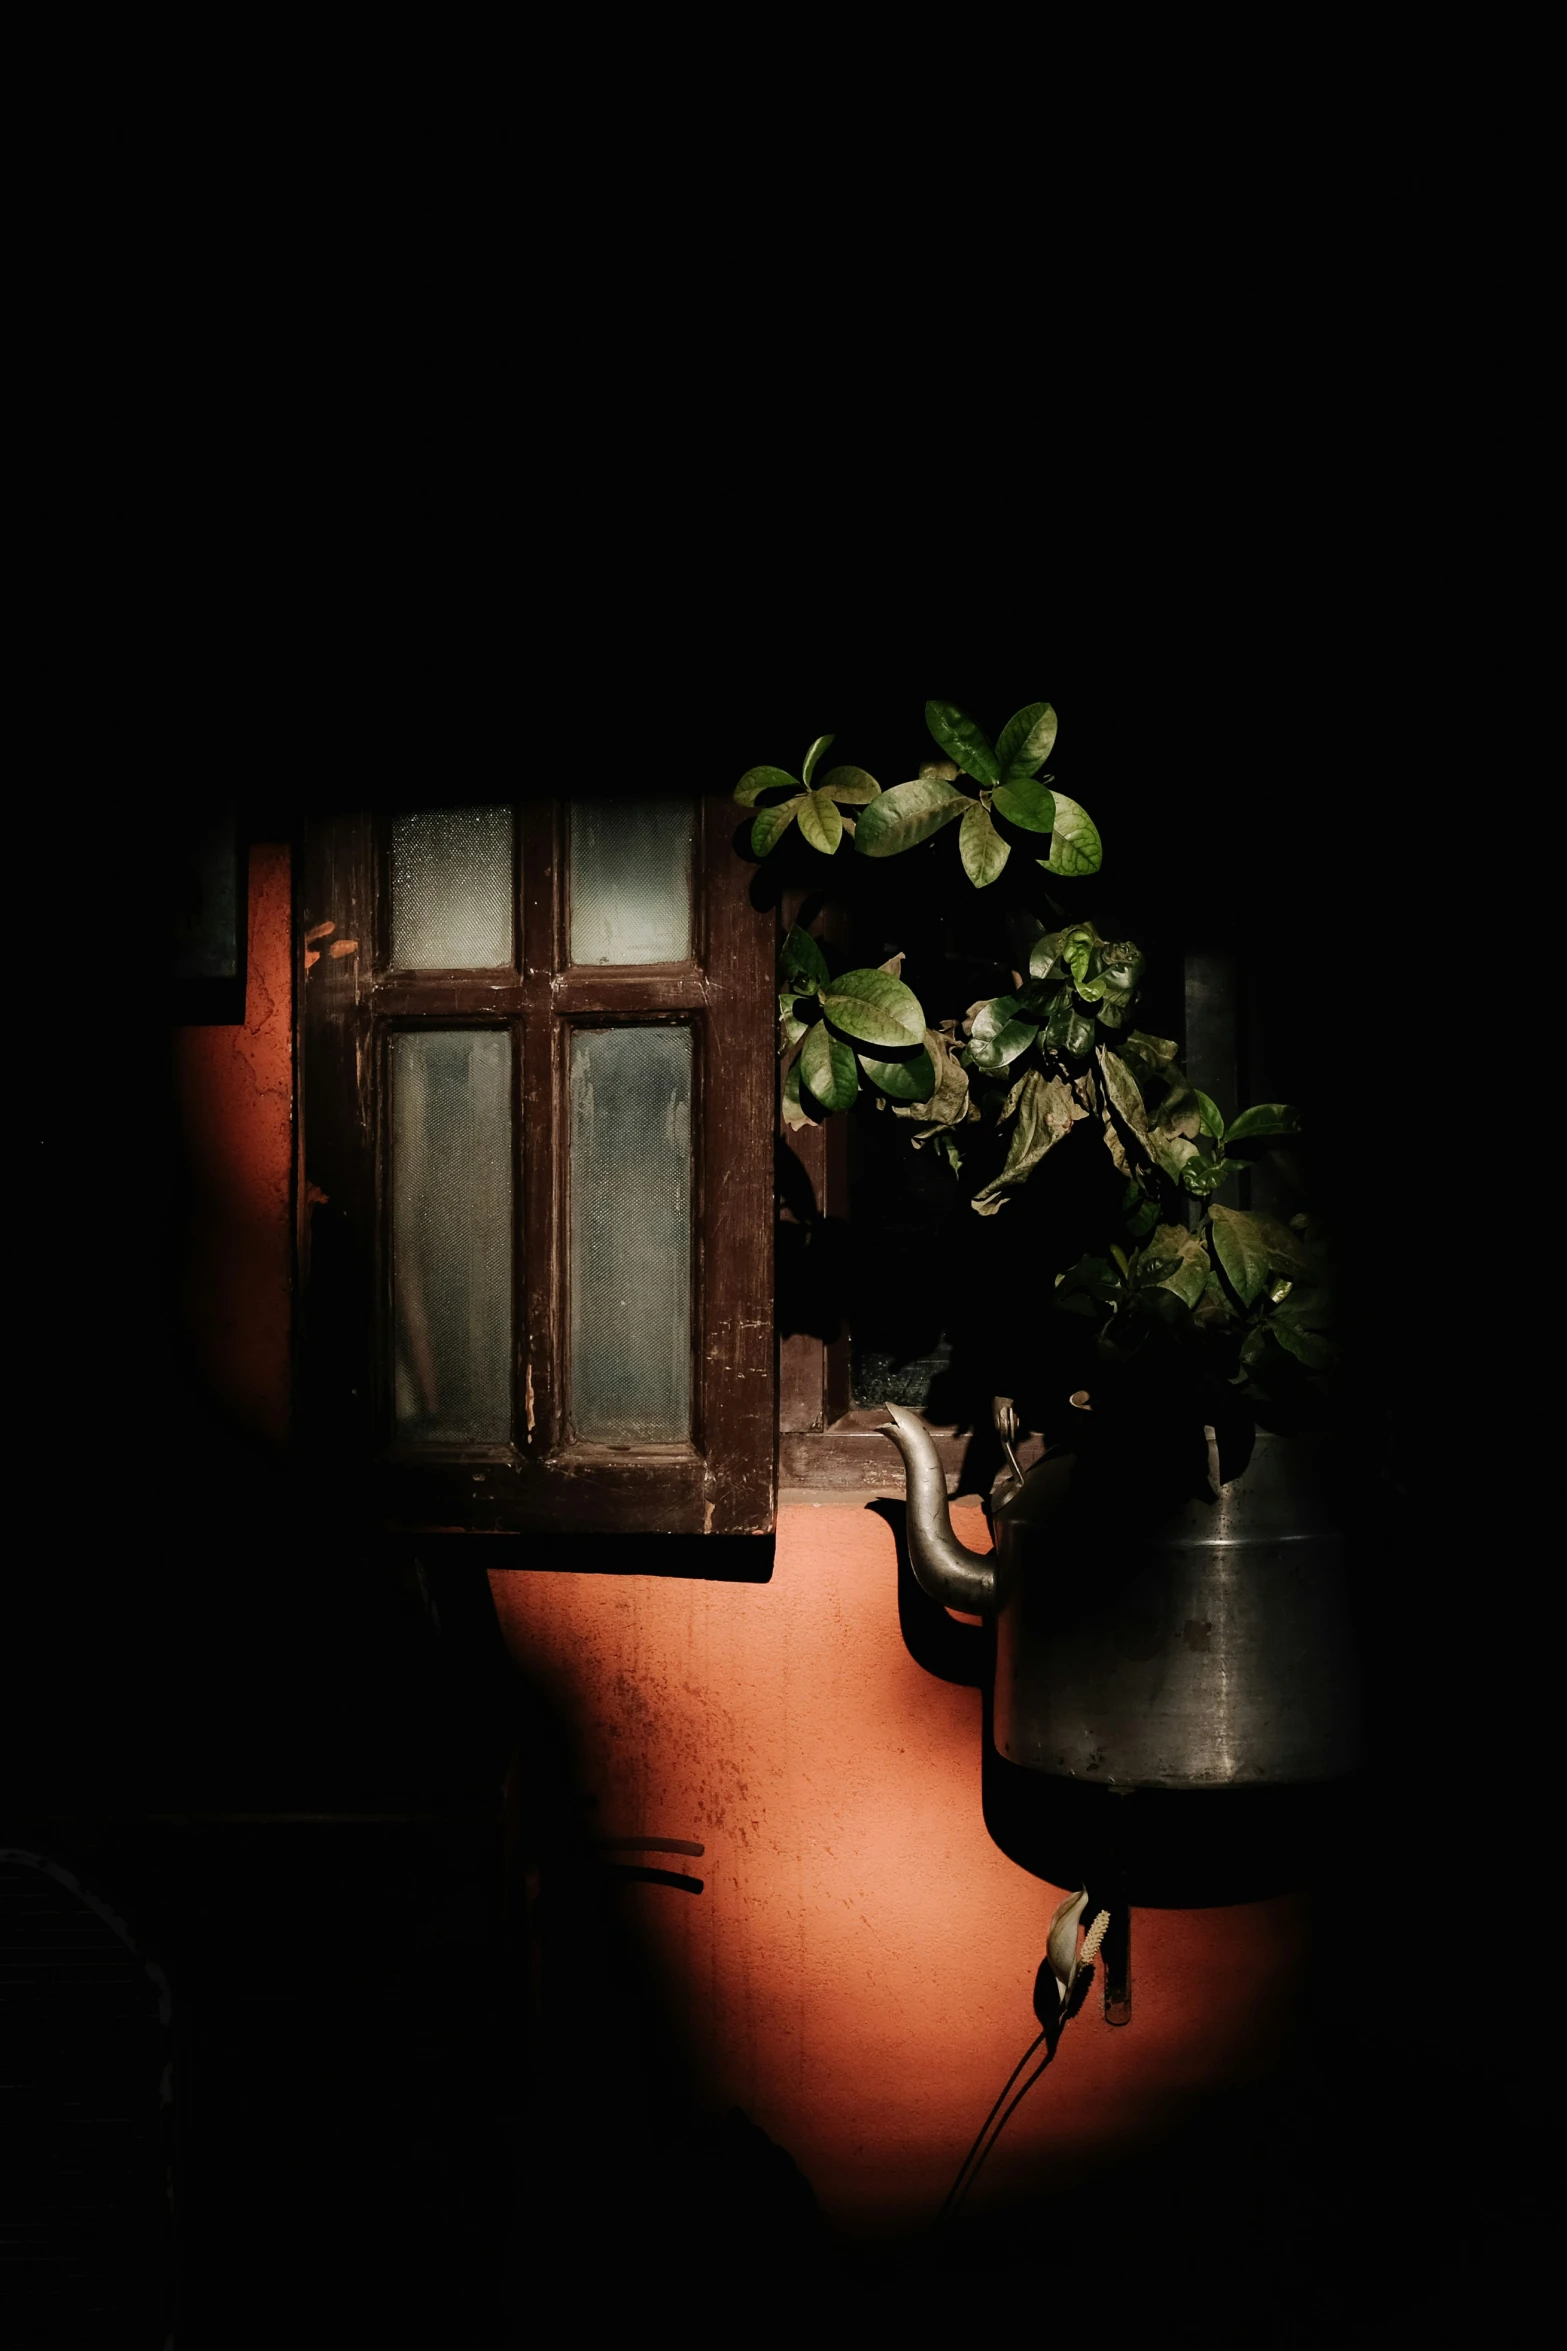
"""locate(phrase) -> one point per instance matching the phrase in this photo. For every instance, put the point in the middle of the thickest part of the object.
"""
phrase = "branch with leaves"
(1053, 1054)
(1009, 786)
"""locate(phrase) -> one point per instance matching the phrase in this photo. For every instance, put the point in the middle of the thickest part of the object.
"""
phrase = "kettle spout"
(943, 1567)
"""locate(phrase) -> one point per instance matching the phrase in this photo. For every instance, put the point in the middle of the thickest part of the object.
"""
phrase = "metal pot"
(1207, 1646)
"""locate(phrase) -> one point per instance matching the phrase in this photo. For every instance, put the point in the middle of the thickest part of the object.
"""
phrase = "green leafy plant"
(1004, 781)
(1053, 1054)
(1254, 1295)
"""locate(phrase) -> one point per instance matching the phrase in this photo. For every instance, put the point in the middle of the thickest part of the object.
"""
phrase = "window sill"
(854, 1459)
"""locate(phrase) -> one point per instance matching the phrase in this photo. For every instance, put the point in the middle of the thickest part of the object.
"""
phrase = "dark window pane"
(452, 1233)
(630, 1267)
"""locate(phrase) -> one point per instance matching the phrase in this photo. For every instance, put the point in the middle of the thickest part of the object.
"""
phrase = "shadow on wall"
(620, 2167)
(232, 1099)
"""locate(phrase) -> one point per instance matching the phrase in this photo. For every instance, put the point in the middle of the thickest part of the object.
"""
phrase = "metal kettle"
(1205, 1645)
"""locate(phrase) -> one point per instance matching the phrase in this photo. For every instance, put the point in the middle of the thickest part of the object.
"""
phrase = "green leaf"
(1077, 950)
(828, 1068)
(1075, 846)
(1173, 1259)
(1155, 1054)
(772, 824)
(820, 823)
(1044, 956)
(948, 1104)
(1059, 1019)
(802, 962)
(905, 1081)
(1201, 1176)
(1213, 1308)
(991, 1016)
(1095, 1276)
(1047, 1109)
(1027, 804)
(1073, 1302)
(1124, 1092)
(1024, 743)
(874, 1008)
(1209, 1113)
(1264, 1118)
(961, 739)
(1173, 1153)
(1306, 1303)
(1079, 1036)
(1036, 999)
(1242, 1250)
(791, 1028)
(1113, 973)
(1123, 967)
(1113, 1142)
(1180, 1112)
(1286, 1250)
(757, 780)
(1308, 1347)
(981, 847)
(795, 1116)
(997, 1052)
(896, 820)
(811, 757)
(850, 784)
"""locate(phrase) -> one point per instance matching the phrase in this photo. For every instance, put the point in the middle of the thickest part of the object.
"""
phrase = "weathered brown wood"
(574, 1492)
(447, 995)
(335, 1329)
(737, 1365)
(539, 1424)
(799, 1382)
(854, 1454)
(836, 1379)
(633, 989)
(856, 1457)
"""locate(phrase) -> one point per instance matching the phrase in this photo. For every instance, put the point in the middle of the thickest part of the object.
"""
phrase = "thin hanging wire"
(959, 2186)
(1002, 2124)
(979, 2153)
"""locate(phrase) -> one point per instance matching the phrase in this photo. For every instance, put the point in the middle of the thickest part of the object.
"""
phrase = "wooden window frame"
(724, 1481)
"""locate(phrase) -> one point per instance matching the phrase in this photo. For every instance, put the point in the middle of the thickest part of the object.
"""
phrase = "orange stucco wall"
(858, 1970)
(233, 1091)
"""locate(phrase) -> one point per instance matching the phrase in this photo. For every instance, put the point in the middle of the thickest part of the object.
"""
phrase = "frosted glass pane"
(630, 1267)
(452, 890)
(451, 1234)
(631, 880)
